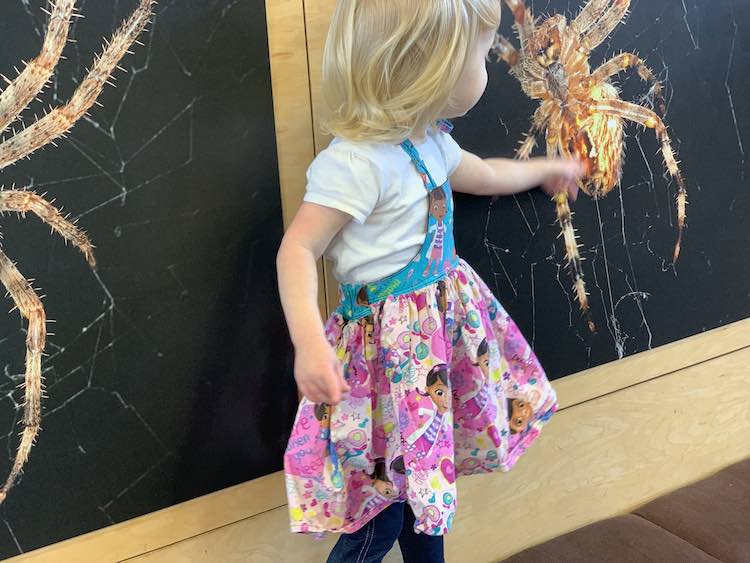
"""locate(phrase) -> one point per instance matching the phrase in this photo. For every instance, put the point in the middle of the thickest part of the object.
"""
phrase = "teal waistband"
(357, 298)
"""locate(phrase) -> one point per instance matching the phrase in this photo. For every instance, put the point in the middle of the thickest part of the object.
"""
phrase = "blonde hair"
(390, 66)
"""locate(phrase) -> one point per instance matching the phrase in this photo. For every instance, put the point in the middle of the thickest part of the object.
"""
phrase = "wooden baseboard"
(638, 368)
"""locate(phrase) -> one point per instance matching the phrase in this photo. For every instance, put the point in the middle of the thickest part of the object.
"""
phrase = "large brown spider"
(55, 124)
(581, 113)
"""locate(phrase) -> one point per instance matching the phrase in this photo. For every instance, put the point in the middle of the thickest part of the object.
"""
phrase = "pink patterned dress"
(442, 384)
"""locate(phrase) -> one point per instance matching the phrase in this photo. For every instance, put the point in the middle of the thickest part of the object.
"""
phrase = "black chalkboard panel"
(169, 373)
(701, 50)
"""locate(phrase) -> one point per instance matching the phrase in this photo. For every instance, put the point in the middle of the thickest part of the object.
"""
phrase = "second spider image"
(581, 113)
(627, 88)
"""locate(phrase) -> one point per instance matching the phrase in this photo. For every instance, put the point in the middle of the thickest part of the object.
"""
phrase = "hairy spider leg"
(573, 258)
(59, 121)
(524, 21)
(624, 61)
(589, 15)
(25, 201)
(538, 122)
(650, 120)
(603, 27)
(30, 306)
(504, 50)
(34, 77)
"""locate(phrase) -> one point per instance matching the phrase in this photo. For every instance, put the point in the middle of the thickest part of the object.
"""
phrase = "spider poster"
(653, 97)
(166, 191)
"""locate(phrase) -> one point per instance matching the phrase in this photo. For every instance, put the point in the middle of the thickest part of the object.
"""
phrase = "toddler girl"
(419, 375)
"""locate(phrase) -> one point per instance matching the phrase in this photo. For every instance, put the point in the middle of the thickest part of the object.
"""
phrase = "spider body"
(56, 123)
(580, 113)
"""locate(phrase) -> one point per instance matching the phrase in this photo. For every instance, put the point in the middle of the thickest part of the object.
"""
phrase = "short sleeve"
(341, 179)
(452, 153)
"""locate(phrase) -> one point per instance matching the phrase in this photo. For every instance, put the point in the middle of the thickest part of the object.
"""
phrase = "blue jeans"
(375, 539)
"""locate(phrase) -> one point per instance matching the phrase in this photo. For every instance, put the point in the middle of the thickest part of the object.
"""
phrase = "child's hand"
(561, 175)
(319, 374)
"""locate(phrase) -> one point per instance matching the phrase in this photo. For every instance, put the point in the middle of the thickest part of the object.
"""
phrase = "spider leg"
(622, 62)
(30, 306)
(527, 145)
(35, 76)
(21, 201)
(573, 259)
(572, 256)
(650, 120)
(524, 21)
(504, 50)
(538, 121)
(590, 14)
(59, 121)
(605, 25)
(527, 70)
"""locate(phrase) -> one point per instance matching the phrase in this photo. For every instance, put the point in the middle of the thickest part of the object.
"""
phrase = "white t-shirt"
(379, 186)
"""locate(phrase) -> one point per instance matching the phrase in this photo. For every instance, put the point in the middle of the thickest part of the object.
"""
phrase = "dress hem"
(533, 435)
(514, 456)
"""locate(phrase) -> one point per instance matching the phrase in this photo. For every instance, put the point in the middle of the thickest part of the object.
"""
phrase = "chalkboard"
(700, 49)
(169, 374)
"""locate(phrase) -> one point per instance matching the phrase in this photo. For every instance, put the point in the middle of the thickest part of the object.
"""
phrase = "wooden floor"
(597, 458)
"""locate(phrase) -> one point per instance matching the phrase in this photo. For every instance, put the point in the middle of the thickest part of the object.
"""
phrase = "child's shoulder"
(380, 159)
(349, 176)
(363, 151)
(360, 158)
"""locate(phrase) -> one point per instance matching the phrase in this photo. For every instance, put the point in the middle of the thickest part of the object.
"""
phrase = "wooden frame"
(295, 134)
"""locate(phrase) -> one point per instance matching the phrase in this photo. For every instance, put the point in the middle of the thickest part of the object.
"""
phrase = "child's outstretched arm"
(318, 372)
(503, 176)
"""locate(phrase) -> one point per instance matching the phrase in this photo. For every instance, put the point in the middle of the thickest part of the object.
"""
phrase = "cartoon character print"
(436, 232)
(476, 410)
(397, 465)
(323, 416)
(520, 415)
(368, 325)
(522, 382)
(331, 460)
(363, 299)
(442, 297)
(357, 375)
(380, 481)
(376, 488)
(308, 449)
(433, 418)
(524, 366)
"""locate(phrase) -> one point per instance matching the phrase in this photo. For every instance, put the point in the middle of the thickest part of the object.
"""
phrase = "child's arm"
(502, 176)
(317, 370)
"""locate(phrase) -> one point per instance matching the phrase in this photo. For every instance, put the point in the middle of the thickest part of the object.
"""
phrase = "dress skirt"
(442, 383)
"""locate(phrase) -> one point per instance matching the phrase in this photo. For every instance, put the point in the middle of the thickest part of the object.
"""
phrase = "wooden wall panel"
(289, 74)
(287, 41)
